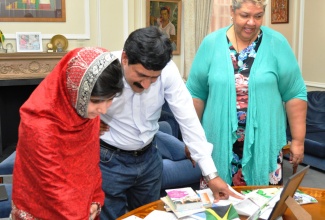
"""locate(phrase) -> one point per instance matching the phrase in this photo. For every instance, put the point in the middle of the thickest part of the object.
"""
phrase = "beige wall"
(304, 35)
(314, 44)
(112, 14)
(75, 27)
(111, 21)
(116, 25)
(287, 29)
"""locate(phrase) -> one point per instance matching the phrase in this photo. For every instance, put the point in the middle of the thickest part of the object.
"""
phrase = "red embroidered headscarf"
(56, 172)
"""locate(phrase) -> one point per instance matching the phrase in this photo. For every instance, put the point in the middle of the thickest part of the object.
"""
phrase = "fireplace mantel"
(15, 66)
(20, 73)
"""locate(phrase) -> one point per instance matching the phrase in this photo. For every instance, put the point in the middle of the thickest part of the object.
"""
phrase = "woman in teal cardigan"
(244, 80)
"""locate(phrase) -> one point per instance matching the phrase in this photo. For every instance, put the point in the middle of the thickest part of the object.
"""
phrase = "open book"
(251, 204)
(206, 198)
(256, 202)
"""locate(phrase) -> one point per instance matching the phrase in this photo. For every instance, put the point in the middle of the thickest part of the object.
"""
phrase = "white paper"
(160, 215)
(231, 200)
(261, 207)
(132, 217)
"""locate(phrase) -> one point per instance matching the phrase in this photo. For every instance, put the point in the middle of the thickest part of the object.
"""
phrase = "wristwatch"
(211, 176)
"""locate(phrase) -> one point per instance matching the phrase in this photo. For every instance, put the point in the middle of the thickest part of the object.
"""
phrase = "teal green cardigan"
(275, 78)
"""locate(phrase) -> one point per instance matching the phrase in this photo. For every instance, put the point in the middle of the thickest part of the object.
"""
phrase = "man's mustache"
(138, 85)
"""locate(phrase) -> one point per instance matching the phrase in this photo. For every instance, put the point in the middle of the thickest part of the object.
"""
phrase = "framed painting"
(166, 15)
(29, 42)
(32, 11)
(279, 11)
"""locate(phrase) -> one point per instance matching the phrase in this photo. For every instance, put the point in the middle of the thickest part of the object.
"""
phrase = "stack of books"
(183, 201)
(187, 202)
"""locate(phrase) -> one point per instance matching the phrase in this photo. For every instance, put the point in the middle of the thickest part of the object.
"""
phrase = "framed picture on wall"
(29, 42)
(279, 11)
(32, 11)
(166, 15)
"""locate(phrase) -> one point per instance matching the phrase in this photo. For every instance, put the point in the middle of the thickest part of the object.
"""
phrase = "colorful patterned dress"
(242, 63)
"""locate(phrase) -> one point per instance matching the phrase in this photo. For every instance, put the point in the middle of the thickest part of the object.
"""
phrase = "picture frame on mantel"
(32, 11)
(29, 42)
(279, 11)
(172, 9)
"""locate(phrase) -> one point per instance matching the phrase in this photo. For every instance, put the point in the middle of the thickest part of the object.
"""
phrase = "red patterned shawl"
(56, 172)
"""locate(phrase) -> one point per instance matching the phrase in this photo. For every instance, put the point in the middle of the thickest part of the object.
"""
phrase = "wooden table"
(317, 210)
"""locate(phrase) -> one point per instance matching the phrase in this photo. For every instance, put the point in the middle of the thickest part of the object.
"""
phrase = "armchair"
(178, 171)
(6, 168)
(315, 130)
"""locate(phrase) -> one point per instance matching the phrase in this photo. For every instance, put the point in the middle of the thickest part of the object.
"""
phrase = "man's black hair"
(164, 8)
(149, 47)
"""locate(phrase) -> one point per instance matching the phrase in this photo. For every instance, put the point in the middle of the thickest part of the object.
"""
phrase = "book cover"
(183, 199)
(180, 214)
(303, 198)
(221, 212)
(216, 213)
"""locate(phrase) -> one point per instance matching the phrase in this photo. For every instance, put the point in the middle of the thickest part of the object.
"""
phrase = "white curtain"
(197, 16)
(220, 14)
(200, 18)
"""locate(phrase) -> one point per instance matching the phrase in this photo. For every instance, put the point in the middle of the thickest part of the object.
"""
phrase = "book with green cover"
(256, 201)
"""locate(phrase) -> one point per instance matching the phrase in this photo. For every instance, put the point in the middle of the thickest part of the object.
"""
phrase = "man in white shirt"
(130, 163)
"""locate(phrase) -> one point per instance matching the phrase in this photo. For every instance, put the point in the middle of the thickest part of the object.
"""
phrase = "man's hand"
(220, 190)
(188, 155)
(103, 128)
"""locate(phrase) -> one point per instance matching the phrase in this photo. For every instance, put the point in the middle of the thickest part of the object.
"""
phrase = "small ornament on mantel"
(9, 48)
(2, 40)
(49, 47)
(59, 47)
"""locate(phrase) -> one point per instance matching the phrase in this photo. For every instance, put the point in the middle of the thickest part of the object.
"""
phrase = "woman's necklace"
(249, 42)
(240, 62)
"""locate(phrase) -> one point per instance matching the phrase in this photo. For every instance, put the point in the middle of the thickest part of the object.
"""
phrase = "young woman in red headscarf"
(56, 173)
